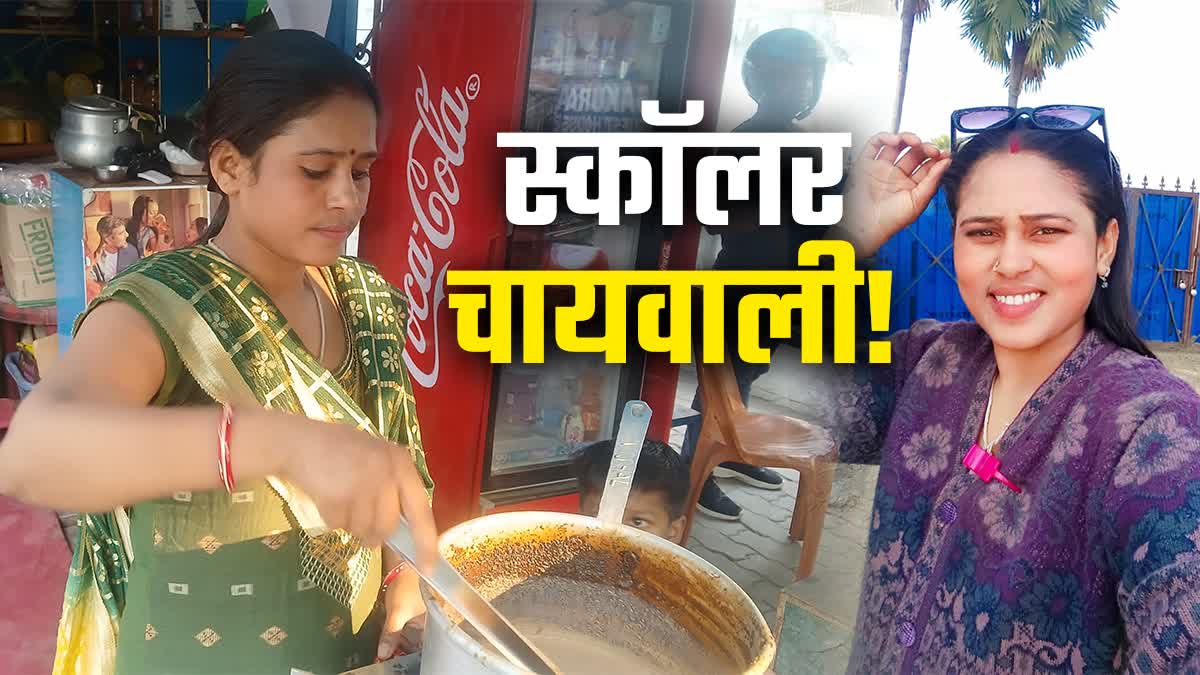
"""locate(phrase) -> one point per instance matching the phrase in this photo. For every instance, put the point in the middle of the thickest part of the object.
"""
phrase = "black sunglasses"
(1050, 117)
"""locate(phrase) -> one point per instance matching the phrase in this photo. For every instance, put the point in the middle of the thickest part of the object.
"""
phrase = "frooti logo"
(443, 128)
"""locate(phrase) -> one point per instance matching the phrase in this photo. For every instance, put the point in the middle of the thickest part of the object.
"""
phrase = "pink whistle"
(986, 466)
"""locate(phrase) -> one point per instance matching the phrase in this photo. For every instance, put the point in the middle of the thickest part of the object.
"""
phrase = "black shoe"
(758, 477)
(715, 503)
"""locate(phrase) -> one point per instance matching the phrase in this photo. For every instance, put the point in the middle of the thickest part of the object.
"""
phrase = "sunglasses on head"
(1048, 117)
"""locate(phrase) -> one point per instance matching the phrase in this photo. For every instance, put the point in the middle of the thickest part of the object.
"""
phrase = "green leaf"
(1062, 31)
(1062, 10)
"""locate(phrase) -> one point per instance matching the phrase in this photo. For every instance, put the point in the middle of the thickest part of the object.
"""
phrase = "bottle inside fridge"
(570, 400)
(594, 63)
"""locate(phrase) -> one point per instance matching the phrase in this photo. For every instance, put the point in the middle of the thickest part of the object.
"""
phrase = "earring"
(1104, 278)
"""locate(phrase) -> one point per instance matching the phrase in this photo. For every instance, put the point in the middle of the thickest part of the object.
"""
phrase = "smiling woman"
(1071, 542)
(1039, 219)
(217, 393)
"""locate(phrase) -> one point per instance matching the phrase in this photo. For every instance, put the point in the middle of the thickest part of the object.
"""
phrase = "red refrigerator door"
(452, 75)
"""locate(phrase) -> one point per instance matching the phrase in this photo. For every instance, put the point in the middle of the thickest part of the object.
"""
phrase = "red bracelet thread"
(224, 455)
(391, 576)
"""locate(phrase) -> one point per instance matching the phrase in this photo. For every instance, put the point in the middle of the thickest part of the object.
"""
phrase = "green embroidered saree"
(243, 583)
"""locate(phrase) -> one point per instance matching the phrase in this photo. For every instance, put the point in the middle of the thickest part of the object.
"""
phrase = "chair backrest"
(720, 395)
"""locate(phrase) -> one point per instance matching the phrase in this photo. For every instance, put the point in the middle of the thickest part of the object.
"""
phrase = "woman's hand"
(359, 483)
(404, 627)
(888, 191)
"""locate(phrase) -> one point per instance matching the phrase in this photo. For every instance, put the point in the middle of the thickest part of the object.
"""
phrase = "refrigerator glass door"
(591, 66)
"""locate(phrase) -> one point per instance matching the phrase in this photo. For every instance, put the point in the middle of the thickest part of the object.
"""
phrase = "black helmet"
(785, 68)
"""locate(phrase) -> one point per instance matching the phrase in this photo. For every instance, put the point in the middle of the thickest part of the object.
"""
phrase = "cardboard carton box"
(27, 255)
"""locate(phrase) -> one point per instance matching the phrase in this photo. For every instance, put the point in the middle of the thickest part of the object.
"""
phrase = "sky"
(1142, 69)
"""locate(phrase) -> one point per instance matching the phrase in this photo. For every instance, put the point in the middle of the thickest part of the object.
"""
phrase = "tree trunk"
(1016, 70)
(908, 17)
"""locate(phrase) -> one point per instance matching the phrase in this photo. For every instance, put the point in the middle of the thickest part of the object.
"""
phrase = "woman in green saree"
(234, 417)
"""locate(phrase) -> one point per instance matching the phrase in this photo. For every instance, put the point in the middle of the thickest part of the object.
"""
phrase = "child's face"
(644, 510)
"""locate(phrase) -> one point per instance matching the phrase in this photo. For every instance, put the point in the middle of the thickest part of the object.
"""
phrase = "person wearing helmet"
(783, 72)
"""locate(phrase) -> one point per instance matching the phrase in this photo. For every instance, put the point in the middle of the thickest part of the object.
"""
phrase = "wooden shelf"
(225, 33)
(167, 32)
(21, 153)
(60, 31)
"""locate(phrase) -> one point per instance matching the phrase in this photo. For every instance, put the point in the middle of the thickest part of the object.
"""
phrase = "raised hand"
(891, 183)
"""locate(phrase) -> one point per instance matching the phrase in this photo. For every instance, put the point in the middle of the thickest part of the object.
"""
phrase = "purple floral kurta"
(1093, 567)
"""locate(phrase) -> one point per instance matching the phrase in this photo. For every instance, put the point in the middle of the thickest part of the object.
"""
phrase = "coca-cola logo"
(442, 124)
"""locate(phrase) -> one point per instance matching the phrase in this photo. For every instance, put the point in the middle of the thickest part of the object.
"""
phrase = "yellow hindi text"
(675, 293)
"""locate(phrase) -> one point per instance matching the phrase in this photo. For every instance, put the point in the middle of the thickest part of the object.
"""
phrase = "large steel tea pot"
(92, 129)
(594, 596)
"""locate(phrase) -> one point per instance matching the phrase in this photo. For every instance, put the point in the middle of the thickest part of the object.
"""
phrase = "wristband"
(224, 455)
(391, 576)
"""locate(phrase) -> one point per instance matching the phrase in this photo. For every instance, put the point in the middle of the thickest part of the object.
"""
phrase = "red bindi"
(1014, 145)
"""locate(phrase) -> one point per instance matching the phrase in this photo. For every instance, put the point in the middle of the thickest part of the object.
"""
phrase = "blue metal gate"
(1164, 226)
(1164, 231)
(921, 259)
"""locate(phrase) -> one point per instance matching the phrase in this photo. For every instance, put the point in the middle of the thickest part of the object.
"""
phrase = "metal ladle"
(478, 612)
(627, 448)
(475, 610)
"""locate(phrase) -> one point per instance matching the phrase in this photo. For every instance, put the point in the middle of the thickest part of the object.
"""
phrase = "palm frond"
(1012, 16)
(1061, 31)
(1099, 10)
(1062, 10)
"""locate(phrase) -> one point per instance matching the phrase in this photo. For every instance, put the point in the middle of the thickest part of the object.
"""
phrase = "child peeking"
(660, 487)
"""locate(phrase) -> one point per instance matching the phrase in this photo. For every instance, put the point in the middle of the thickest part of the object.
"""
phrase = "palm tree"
(1028, 37)
(911, 12)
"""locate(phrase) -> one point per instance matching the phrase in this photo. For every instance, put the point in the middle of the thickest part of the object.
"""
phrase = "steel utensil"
(627, 448)
(476, 611)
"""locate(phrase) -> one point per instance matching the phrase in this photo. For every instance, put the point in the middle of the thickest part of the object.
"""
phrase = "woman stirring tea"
(1074, 545)
(211, 392)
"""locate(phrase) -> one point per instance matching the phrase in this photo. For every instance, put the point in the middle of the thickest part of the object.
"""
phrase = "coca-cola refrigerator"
(452, 75)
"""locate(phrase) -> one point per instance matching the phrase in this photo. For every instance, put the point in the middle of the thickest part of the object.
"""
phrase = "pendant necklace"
(987, 417)
(980, 459)
(311, 287)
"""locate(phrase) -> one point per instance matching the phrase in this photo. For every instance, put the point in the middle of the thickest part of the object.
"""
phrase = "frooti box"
(27, 255)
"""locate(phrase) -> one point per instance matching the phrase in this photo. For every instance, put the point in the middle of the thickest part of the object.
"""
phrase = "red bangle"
(224, 456)
(391, 576)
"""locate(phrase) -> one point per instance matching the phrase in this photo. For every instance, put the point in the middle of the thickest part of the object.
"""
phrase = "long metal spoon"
(476, 611)
(635, 421)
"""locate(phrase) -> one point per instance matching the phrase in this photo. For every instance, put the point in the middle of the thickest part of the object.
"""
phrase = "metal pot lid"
(96, 104)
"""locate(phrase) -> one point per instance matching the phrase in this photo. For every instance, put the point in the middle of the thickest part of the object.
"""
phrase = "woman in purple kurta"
(1094, 564)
